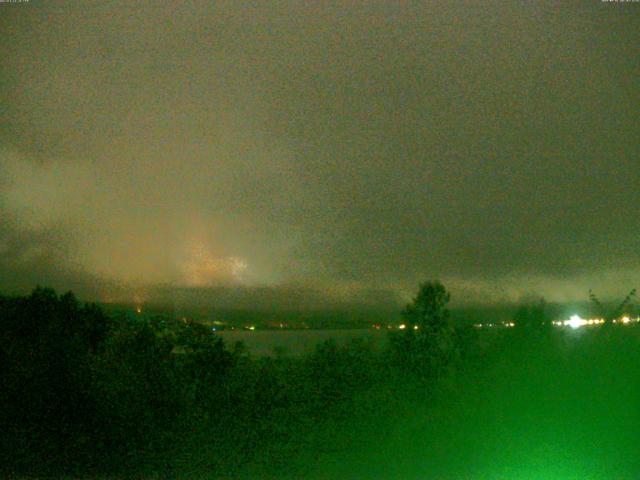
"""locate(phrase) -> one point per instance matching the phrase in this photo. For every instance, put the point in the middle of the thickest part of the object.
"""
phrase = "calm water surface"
(297, 342)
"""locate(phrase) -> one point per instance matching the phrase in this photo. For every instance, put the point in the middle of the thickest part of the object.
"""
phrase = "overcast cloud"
(341, 148)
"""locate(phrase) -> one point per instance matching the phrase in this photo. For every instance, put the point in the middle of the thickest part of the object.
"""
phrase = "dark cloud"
(492, 145)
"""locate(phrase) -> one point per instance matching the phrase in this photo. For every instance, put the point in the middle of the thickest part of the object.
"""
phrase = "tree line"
(86, 393)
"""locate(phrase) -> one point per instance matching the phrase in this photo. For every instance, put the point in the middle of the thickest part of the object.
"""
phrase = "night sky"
(344, 149)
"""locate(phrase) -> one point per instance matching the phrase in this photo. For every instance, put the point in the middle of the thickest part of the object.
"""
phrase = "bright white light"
(402, 327)
(415, 327)
(575, 322)
(626, 319)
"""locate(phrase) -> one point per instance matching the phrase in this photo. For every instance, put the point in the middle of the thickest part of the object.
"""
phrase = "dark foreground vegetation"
(87, 395)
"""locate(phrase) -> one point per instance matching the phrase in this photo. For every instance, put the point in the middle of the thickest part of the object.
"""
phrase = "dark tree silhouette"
(46, 347)
(428, 344)
(428, 311)
(532, 314)
(83, 394)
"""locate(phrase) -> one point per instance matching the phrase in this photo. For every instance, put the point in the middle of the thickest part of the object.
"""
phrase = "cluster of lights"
(626, 320)
(403, 327)
(491, 325)
(574, 322)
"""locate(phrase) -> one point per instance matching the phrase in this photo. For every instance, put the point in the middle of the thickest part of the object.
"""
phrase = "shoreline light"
(575, 322)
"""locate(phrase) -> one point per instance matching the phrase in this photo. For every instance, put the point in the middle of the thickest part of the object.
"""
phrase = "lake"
(297, 342)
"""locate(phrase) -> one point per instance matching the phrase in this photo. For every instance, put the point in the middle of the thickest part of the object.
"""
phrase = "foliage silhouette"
(532, 314)
(46, 346)
(85, 394)
(428, 344)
